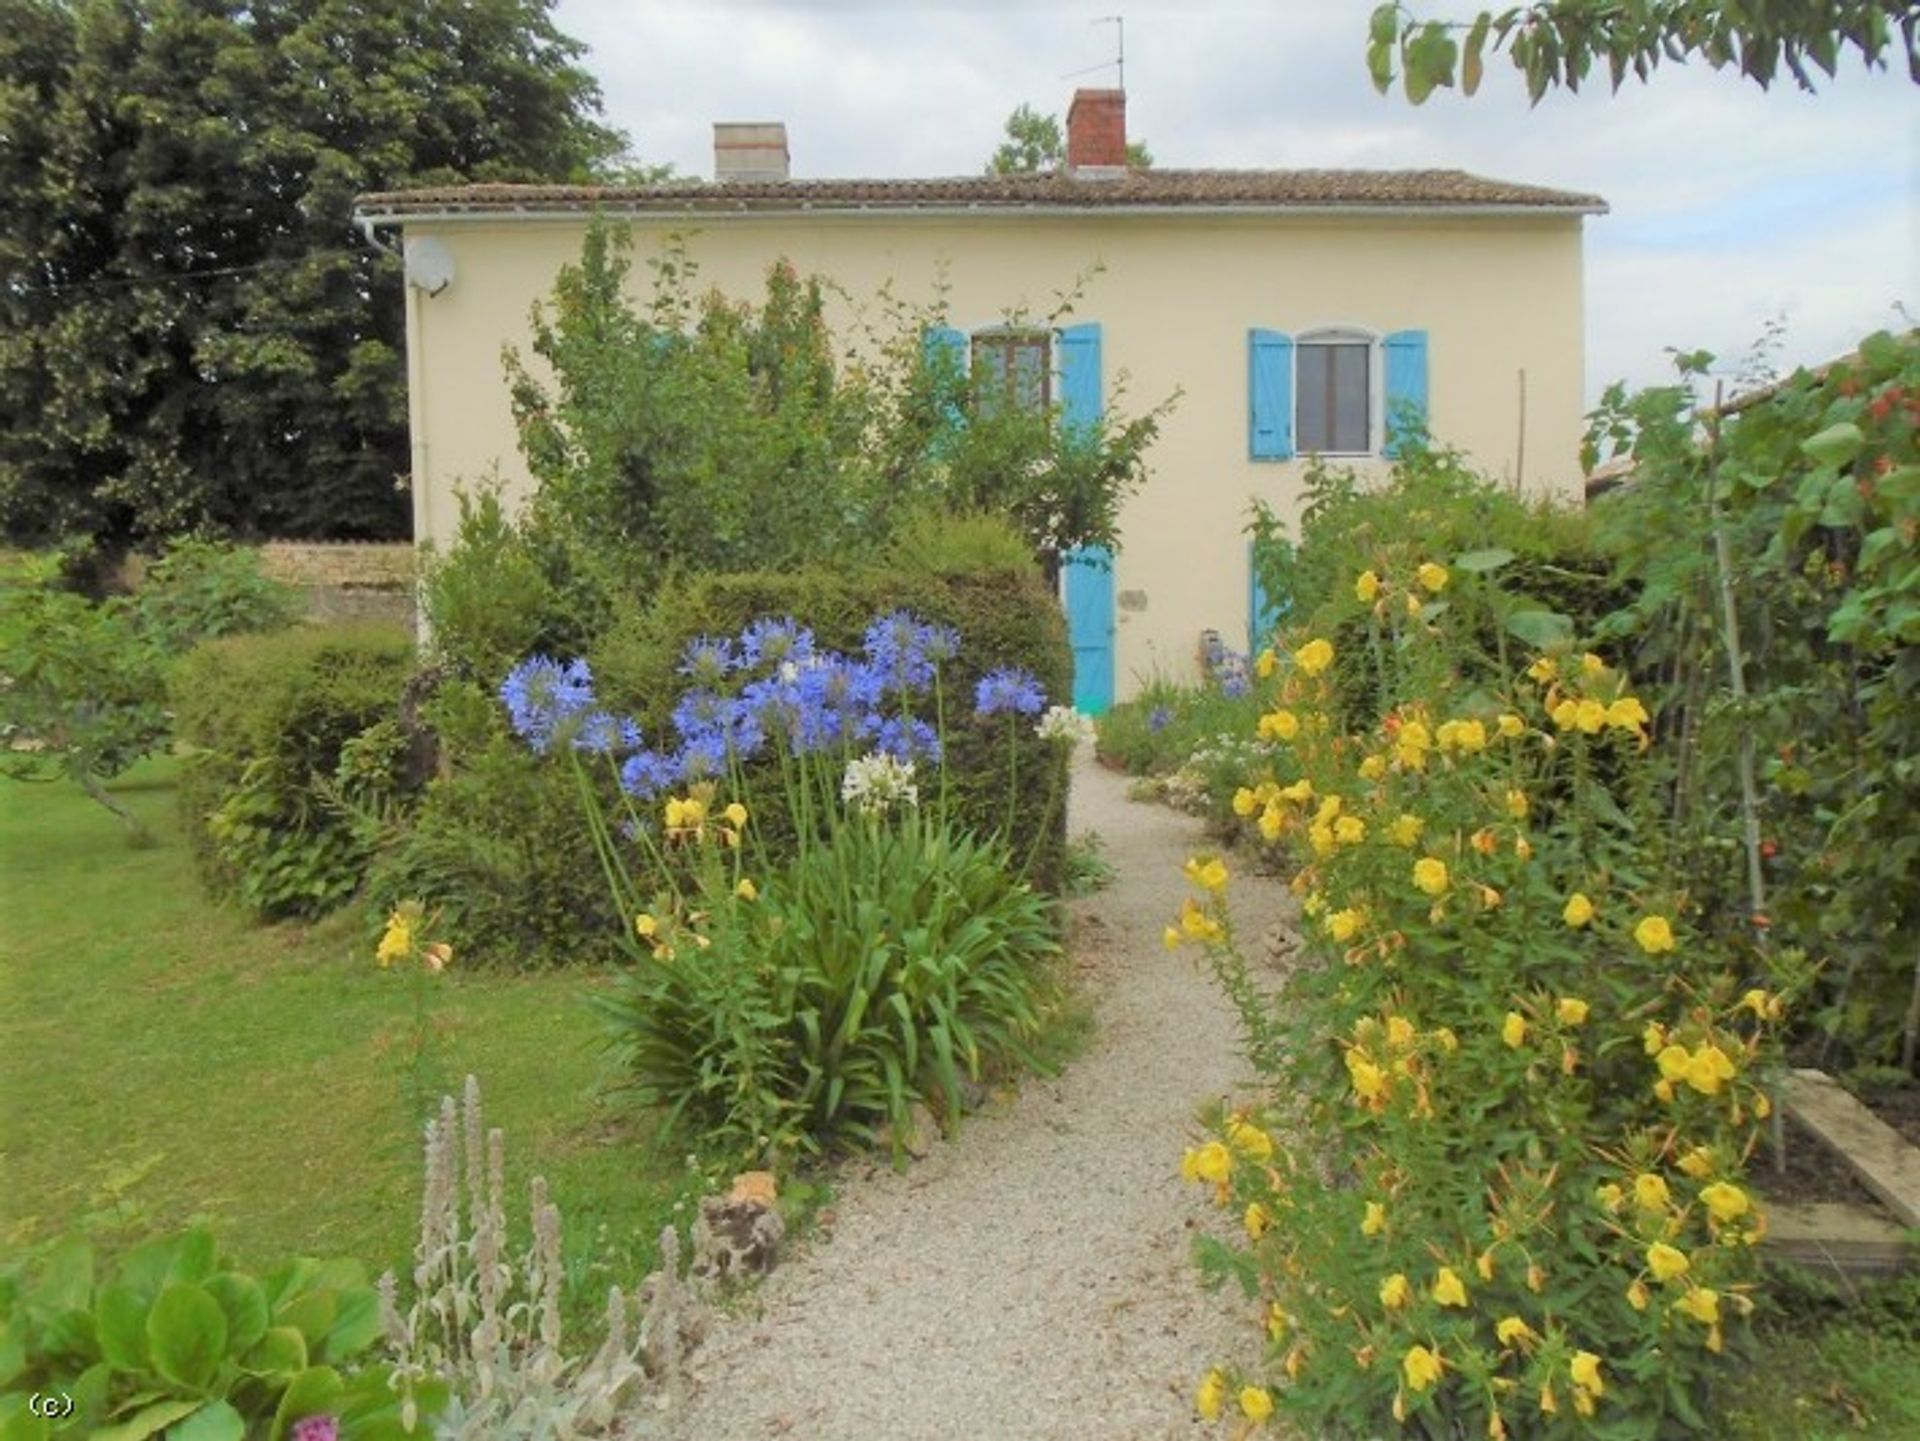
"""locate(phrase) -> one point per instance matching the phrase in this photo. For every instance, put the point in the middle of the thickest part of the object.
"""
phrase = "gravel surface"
(1032, 1278)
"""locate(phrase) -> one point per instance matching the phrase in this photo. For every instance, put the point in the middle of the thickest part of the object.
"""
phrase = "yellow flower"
(1514, 1029)
(1470, 736)
(1572, 1011)
(736, 813)
(645, 925)
(1210, 874)
(1349, 830)
(747, 890)
(1654, 934)
(1627, 714)
(1375, 1221)
(1483, 1263)
(1250, 1140)
(1170, 938)
(1610, 1197)
(1267, 662)
(1592, 665)
(1544, 670)
(1512, 1331)
(1395, 1292)
(1517, 805)
(1367, 587)
(1211, 1396)
(1314, 657)
(1566, 715)
(1653, 1038)
(1433, 578)
(1195, 922)
(1725, 1201)
(1665, 1262)
(1369, 1081)
(1650, 1192)
(1400, 1032)
(1448, 1289)
(1448, 1041)
(1273, 821)
(1413, 604)
(1255, 1404)
(1405, 830)
(1585, 1369)
(1765, 1007)
(1421, 1367)
(1430, 875)
(1372, 768)
(1697, 1163)
(1321, 838)
(1213, 1162)
(1343, 926)
(1300, 792)
(1510, 725)
(1548, 1405)
(1707, 1068)
(1702, 1303)
(1578, 911)
(397, 943)
(1277, 1322)
(1245, 802)
(1258, 1219)
(1590, 715)
(1673, 1062)
(1278, 725)
(1637, 1296)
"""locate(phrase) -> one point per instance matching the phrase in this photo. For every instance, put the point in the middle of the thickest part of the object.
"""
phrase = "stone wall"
(346, 580)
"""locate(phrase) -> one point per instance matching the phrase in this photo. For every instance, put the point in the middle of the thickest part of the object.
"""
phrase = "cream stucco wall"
(1498, 296)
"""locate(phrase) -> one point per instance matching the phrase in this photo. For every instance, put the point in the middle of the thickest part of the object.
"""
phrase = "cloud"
(1730, 205)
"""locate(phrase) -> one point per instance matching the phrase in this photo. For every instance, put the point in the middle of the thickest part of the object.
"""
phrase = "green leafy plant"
(1088, 870)
(175, 1341)
(200, 590)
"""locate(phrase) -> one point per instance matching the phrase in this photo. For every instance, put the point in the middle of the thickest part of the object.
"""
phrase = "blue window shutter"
(1086, 575)
(1406, 387)
(944, 346)
(1263, 615)
(1269, 395)
(1082, 387)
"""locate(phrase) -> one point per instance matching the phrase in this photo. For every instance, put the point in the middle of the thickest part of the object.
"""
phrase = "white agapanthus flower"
(875, 784)
(1064, 723)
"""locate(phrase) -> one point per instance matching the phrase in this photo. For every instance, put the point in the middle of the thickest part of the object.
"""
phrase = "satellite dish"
(429, 264)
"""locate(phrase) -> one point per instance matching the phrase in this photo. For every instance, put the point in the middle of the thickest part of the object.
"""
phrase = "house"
(1298, 311)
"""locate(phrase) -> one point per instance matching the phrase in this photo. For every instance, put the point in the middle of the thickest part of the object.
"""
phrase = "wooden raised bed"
(1836, 1235)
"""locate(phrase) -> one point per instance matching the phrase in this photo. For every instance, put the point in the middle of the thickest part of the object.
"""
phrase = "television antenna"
(1119, 61)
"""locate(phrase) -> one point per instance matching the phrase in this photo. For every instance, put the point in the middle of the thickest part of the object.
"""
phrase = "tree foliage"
(1036, 142)
(191, 333)
(1560, 42)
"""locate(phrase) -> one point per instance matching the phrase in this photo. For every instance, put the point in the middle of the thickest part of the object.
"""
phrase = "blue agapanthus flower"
(708, 659)
(702, 759)
(543, 697)
(1009, 689)
(774, 643)
(602, 733)
(900, 648)
(1159, 718)
(905, 738)
(647, 773)
(701, 713)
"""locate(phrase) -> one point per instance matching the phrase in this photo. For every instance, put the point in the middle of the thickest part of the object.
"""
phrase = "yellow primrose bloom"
(1578, 911)
(1213, 1162)
(1250, 1140)
(1590, 716)
(1314, 657)
(1666, 1263)
(1366, 587)
(747, 890)
(1349, 830)
(1257, 1220)
(1277, 1322)
(1572, 1011)
(1300, 792)
(1610, 1197)
(1255, 1404)
(1209, 874)
(1448, 1289)
(1697, 1163)
(1421, 1367)
(1329, 808)
(1430, 875)
(1518, 805)
(1321, 839)
(1726, 1201)
(645, 924)
(1566, 715)
(1273, 822)
(397, 943)
(1512, 1331)
(1375, 1220)
(1585, 1369)
(1707, 1068)
(1637, 1296)
(1278, 725)
(1544, 670)
(1395, 1292)
(1702, 1303)
(1592, 665)
(1470, 736)
(1510, 725)
(1400, 1032)
(1513, 1030)
(1372, 768)
(737, 814)
(1405, 830)
(1369, 1081)
(1627, 714)
(1196, 923)
(1170, 938)
(1764, 1006)
(1650, 1192)
(1343, 926)
(1654, 934)
(1267, 662)
(1211, 1397)
(1549, 1405)
(1245, 802)
(1433, 578)
(1654, 1038)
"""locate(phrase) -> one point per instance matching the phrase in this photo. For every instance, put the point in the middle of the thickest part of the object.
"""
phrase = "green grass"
(165, 1060)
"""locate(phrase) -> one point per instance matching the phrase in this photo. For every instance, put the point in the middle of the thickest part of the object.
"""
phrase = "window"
(1333, 395)
(1012, 368)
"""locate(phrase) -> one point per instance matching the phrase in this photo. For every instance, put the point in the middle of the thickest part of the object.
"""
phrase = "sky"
(1734, 210)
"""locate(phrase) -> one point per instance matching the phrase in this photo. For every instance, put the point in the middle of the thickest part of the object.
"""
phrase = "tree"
(1035, 142)
(192, 336)
(1558, 42)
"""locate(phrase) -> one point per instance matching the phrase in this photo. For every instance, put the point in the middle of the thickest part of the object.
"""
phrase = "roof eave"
(443, 214)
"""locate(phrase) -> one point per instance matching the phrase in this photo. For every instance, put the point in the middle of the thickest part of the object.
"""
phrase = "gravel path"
(1032, 1277)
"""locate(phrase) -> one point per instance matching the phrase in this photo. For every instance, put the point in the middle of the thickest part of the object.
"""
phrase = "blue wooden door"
(1087, 572)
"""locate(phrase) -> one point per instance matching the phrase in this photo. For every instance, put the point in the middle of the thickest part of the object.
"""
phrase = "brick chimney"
(1097, 129)
(749, 151)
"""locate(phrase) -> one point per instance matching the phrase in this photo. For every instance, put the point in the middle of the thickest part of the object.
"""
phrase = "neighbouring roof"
(1251, 190)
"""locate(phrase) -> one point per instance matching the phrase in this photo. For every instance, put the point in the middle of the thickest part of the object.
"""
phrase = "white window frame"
(1345, 334)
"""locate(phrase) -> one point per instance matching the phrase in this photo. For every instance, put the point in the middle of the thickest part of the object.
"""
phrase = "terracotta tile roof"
(1133, 189)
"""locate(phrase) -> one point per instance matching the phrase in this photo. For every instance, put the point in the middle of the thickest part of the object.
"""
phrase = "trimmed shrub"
(275, 789)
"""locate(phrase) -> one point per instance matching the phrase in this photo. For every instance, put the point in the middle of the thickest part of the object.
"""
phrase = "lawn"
(163, 1060)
